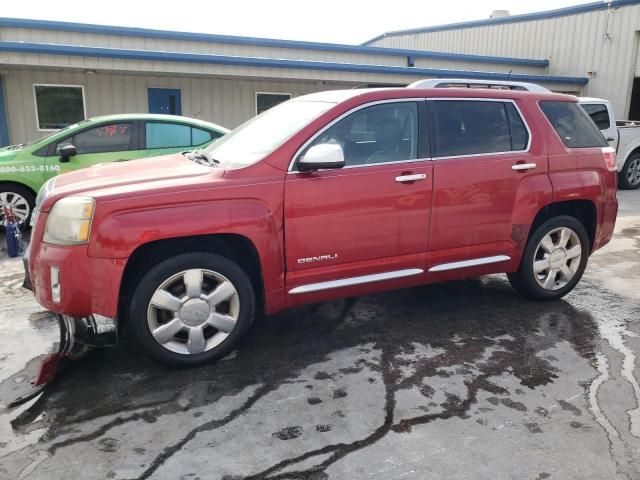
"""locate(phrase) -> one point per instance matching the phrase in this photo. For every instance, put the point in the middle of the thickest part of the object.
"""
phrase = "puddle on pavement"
(438, 348)
(477, 330)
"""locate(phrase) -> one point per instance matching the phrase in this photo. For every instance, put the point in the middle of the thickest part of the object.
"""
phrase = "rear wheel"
(20, 199)
(191, 309)
(554, 259)
(629, 178)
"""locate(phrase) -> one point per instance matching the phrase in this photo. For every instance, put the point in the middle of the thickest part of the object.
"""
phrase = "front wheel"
(629, 177)
(554, 259)
(191, 309)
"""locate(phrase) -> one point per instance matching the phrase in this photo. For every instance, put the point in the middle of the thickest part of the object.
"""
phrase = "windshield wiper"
(201, 157)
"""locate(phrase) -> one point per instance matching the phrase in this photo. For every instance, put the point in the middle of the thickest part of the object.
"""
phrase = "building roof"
(266, 60)
(560, 12)
(260, 42)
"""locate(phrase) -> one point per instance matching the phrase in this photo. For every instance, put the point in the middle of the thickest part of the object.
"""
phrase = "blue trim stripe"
(560, 12)
(45, 48)
(262, 42)
(4, 126)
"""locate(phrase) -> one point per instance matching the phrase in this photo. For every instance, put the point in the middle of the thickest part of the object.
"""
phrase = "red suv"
(328, 195)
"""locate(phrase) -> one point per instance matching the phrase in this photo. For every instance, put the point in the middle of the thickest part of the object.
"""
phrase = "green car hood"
(8, 153)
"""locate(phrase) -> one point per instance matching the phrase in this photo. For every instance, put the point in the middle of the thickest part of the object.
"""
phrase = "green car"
(25, 167)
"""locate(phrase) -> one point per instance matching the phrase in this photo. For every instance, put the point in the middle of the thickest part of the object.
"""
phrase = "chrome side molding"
(347, 282)
(469, 263)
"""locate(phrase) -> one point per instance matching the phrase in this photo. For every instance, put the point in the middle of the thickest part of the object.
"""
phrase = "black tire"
(145, 288)
(24, 192)
(524, 280)
(623, 177)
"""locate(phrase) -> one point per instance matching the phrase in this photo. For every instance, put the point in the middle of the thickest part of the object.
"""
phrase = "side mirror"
(66, 152)
(325, 155)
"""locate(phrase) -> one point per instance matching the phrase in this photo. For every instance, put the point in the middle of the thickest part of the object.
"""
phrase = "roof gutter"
(78, 51)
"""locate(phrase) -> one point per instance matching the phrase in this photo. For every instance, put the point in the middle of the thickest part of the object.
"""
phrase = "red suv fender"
(118, 235)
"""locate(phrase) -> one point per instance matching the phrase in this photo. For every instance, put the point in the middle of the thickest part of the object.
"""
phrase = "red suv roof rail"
(471, 83)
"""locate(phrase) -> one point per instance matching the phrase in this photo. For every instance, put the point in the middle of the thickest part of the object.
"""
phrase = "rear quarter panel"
(581, 174)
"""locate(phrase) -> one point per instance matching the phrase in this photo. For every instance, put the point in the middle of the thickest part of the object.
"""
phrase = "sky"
(335, 21)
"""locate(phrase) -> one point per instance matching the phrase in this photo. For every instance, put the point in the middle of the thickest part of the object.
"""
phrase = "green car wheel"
(18, 199)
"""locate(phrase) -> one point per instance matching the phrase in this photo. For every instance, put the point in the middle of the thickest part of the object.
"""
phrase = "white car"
(623, 135)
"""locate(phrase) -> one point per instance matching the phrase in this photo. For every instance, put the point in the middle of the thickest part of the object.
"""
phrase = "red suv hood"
(128, 177)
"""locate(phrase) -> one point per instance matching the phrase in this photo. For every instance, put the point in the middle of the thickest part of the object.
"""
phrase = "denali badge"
(320, 258)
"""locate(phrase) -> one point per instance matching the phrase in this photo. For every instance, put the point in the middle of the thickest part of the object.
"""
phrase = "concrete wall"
(603, 42)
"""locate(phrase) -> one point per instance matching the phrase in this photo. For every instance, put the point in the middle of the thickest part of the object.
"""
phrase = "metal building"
(596, 40)
(88, 70)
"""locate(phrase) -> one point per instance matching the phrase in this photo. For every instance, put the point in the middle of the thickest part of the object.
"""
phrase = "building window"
(58, 106)
(266, 100)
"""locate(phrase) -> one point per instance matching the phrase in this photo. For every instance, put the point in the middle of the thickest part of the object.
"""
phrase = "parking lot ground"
(463, 380)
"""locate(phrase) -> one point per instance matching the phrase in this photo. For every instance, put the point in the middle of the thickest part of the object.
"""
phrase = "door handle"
(518, 167)
(411, 178)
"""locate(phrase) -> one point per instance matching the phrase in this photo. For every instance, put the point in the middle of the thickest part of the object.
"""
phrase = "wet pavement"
(464, 380)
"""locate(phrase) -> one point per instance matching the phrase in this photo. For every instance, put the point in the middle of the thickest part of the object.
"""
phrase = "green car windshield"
(60, 132)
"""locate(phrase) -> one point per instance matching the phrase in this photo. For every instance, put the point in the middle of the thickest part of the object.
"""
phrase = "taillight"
(610, 159)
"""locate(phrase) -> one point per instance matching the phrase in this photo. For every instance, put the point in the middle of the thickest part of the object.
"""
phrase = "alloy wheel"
(557, 258)
(18, 204)
(633, 172)
(193, 311)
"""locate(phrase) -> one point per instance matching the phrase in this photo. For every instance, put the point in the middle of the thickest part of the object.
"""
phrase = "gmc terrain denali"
(328, 195)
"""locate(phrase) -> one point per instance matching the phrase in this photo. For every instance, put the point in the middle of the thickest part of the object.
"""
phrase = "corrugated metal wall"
(223, 93)
(250, 50)
(225, 102)
(603, 42)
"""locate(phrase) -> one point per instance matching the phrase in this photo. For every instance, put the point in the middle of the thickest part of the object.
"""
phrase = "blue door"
(165, 100)
(4, 127)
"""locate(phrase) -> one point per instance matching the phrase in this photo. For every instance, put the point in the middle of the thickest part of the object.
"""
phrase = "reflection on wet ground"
(458, 380)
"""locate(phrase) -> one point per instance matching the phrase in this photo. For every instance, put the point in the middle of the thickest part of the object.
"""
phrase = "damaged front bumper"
(91, 331)
(77, 337)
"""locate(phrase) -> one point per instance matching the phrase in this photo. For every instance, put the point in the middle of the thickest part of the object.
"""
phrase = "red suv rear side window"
(573, 124)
